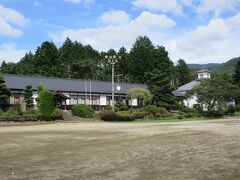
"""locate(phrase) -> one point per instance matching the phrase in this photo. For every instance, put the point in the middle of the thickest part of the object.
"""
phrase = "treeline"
(75, 60)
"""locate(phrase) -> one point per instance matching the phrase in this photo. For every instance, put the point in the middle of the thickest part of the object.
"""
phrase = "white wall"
(204, 75)
(134, 102)
(191, 101)
(103, 100)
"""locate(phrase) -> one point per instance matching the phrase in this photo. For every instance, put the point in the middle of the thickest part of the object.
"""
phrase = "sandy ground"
(185, 150)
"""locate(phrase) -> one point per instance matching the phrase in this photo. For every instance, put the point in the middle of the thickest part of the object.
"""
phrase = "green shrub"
(58, 113)
(125, 118)
(151, 109)
(139, 115)
(29, 117)
(46, 106)
(107, 115)
(230, 109)
(30, 111)
(13, 111)
(108, 107)
(120, 106)
(1, 112)
(237, 113)
(82, 110)
(8, 117)
(162, 110)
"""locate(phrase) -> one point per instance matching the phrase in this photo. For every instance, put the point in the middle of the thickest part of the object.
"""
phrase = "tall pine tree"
(28, 97)
(183, 73)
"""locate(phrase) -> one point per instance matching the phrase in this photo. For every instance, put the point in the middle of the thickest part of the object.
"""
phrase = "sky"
(198, 31)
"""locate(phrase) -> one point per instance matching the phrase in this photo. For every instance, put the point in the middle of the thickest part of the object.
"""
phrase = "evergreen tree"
(47, 60)
(28, 97)
(236, 75)
(160, 78)
(4, 93)
(141, 59)
(122, 67)
(183, 73)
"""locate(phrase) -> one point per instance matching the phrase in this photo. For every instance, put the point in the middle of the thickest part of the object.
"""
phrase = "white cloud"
(165, 6)
(216, 6)
(115, 17)
(10, 18)
(217, 41)
(9, 53)
(115, 36)
(80, 1)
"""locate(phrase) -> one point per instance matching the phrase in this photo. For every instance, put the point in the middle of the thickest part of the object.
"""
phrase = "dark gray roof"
(188, 86)
(203, 71)
(182, 90)
(14, 81)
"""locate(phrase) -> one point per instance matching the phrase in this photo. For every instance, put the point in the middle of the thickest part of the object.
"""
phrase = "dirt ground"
(184, 150)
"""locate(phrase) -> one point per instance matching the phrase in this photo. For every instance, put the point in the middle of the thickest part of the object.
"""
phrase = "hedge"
(82, 110)
(18, 118)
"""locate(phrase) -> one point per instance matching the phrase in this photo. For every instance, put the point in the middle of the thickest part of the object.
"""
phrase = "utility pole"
(112, 60)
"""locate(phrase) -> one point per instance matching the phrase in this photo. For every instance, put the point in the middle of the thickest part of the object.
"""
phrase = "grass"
(121, 151)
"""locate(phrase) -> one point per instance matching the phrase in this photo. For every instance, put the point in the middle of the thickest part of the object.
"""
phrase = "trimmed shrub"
(46, 106)
(8, 117)
(125, 117)
(30, 111)
(82, 110)
(120, 106)
(108, 115)
(108, 107)
(237, 113)
(30, 117)
(162, 110)
(151, 109)
(139, 115)
(1, 112)
(58, 113)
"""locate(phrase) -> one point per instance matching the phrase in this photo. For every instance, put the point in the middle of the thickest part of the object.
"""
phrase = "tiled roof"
(14, 81)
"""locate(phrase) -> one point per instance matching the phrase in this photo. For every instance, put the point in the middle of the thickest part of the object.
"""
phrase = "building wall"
(96, 100)
(204, 75)
(190, 102)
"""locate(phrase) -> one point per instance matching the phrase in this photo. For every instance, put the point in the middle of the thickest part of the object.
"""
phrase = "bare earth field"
(183, 150)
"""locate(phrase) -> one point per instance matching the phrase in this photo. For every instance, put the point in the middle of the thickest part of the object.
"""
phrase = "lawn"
(98, 150)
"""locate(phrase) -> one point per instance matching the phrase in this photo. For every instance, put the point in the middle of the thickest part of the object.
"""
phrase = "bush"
(139, 115)
(107, 115)
(151, 109)
(237, 113)
(30, 117)
(162, 110)
(46, 106)
(120, 106)
(1, 112)
(30, 111)
(108, 107)
(237, 108)
(58, 113)
(18, 118)
(8, 117)
(13, 111)
(82, 110)
(230, 109)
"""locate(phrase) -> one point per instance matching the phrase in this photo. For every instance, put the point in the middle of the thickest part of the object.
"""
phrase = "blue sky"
(199, 31)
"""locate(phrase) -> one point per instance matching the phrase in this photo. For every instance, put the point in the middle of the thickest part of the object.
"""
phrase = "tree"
(236, 75)
(213, 93)
(183, 73)
(142, 95)
(46, 105)
(122, 67)
(160, 79)
(28, 97)
(47, 60)
(4, 93)
(141, 59)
